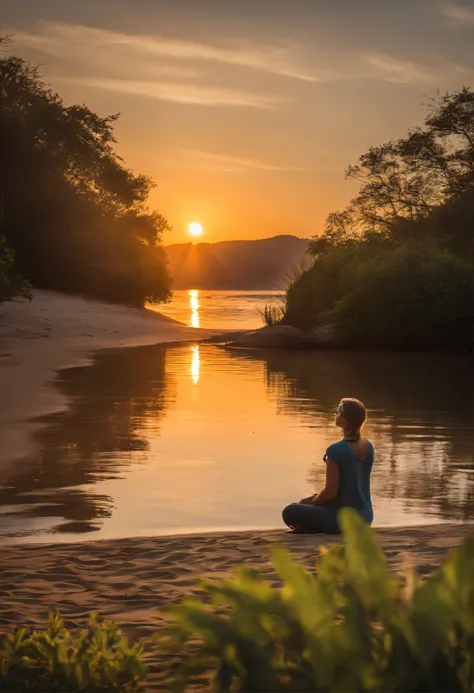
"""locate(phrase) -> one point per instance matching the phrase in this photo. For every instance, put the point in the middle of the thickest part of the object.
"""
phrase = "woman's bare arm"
(329, 492)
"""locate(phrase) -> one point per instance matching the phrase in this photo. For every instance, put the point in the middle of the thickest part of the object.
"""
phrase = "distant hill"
(260, 264)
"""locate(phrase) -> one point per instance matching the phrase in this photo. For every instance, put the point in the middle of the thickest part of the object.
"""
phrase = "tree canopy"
(410, 177)
(74, 215)
(396, 266)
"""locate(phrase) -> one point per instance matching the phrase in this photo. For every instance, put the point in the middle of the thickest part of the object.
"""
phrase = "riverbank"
(130, 579)
(55, 331)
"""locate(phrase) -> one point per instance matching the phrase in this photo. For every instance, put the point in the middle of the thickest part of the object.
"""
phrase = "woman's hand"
(307, 501)
(330, 491)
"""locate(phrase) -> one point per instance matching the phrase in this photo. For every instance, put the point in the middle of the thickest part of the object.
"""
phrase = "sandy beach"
(130, 579)
(56, 331)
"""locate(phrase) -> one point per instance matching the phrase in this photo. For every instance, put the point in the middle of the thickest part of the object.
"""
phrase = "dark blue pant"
(312, 519)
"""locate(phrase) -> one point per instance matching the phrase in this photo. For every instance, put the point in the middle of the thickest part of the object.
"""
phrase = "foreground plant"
(352, 626)
(97, 658)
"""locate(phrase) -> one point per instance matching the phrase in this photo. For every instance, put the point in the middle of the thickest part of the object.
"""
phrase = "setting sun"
(195, 229)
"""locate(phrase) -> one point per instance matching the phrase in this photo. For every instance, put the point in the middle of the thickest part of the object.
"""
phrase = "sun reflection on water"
(195, 364)
(194, 305)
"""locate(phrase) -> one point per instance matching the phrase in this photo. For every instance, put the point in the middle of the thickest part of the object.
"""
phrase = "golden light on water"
(194, 305)
(195, 364)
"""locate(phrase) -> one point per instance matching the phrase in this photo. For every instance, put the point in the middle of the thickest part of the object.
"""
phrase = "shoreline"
(200, 533)
(56, 331)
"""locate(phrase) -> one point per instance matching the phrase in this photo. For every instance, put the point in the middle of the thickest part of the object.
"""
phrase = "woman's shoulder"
(337, 445)
(335, 449)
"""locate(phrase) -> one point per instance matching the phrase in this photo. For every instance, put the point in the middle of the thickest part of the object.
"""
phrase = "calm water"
(189, 438)
(220, 309)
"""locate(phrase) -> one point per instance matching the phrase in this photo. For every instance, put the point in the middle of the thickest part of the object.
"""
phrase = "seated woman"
(348, 466)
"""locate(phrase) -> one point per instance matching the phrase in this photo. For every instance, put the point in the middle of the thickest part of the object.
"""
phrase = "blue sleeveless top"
(354, 477)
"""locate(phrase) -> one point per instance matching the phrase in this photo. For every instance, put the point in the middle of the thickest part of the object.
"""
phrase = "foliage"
(408, 178)
(272, 314)
(74, 215)
(10, 286)
(407, 296)
(421, 297)
(98, 658)
(351, 626)
(393, 268)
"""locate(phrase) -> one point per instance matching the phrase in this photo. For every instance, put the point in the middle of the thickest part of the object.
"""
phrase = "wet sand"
(130, 579)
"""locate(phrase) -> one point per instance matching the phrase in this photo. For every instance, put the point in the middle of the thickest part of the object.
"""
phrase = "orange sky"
(247, 113)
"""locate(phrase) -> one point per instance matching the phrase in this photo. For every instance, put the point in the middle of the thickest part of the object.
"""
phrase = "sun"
(195, 229)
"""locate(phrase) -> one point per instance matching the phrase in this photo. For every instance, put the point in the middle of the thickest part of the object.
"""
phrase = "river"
(191, 438)
(235, 310)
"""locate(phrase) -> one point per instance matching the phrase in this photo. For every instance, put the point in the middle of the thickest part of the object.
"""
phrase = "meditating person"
(348, 466)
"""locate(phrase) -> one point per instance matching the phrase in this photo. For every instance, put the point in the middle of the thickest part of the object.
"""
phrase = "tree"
(409, 178)
(74, 215)
(396, 267)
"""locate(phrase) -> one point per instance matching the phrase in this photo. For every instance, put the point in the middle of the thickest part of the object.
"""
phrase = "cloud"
(458, 14)
(63, 40)
(236, 164)
(184, 71)
(176, 92)
(398, 70)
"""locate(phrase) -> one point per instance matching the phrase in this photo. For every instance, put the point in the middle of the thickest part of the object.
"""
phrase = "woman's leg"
(311, 519)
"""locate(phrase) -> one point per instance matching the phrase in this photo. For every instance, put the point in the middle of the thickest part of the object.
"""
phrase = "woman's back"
(354, 461)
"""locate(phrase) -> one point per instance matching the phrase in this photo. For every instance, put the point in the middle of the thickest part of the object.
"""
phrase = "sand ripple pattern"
(130, 579)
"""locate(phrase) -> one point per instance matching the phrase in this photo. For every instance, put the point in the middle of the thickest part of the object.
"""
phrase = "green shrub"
(352, 626)
(97, 658)
(412, 296)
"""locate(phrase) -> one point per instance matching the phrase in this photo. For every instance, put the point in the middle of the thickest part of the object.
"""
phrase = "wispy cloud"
(236, 164)
(176, 92)
(163, 68)
(62, 40)
(398, 70)
(458, 14)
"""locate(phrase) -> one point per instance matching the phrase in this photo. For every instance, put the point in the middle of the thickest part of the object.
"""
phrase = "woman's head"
(351, 415)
